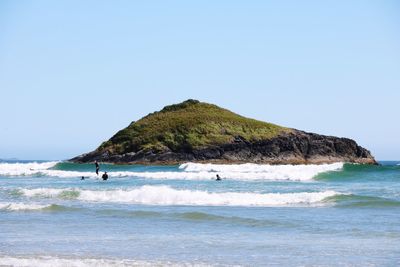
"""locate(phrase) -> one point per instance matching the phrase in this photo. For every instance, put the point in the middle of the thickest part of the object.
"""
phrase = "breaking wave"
(165, 195)
(267, 172)
(187, 171)
(25, 169)
(16, 206)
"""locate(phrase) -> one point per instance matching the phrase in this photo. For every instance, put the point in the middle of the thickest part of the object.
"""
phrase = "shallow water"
(315, 215)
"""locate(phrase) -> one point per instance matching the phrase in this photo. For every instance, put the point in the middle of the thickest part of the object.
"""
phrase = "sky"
(73, 73)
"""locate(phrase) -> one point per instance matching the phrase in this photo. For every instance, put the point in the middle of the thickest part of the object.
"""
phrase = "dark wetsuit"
(105, 176)
(97, 168)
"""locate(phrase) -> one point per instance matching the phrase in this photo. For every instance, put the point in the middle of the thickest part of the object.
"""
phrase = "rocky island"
(201, 132)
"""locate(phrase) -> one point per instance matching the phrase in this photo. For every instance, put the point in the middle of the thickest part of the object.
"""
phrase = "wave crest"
(267, 172)
(19, 169)
(17, 206)
(165, 195)
(187, 171)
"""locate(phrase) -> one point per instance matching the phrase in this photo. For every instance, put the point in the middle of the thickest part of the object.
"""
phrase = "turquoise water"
(328, 215)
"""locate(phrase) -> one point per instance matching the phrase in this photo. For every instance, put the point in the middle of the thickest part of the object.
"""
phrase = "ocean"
(257, 215)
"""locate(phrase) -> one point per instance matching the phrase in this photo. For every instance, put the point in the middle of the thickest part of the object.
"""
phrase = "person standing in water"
(97, 167)
(105, 176)
(218, 178)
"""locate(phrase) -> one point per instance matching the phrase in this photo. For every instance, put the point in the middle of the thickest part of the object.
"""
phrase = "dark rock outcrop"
(293, 147)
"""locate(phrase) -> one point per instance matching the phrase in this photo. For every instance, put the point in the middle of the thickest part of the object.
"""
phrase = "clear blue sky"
(72, 73)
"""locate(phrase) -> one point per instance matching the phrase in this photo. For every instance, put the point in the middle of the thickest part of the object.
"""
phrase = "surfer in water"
(104, 176)
(97, 167)
(218, 178)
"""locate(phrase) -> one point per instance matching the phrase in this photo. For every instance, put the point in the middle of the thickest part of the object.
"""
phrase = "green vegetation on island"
(187, 126)
(194, 131)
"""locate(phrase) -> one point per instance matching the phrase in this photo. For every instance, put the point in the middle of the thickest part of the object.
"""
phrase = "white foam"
(45, 192)
(34, 168)
(48, 261)
(165, 195)
(273, 172)
(17, 206)
(188, 171)
(19, 169)
(248, 172)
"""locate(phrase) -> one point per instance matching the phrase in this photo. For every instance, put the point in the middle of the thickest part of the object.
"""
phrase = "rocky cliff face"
(293, 147)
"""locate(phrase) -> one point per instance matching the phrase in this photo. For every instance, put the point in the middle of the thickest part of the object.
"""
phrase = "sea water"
(257, 215)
